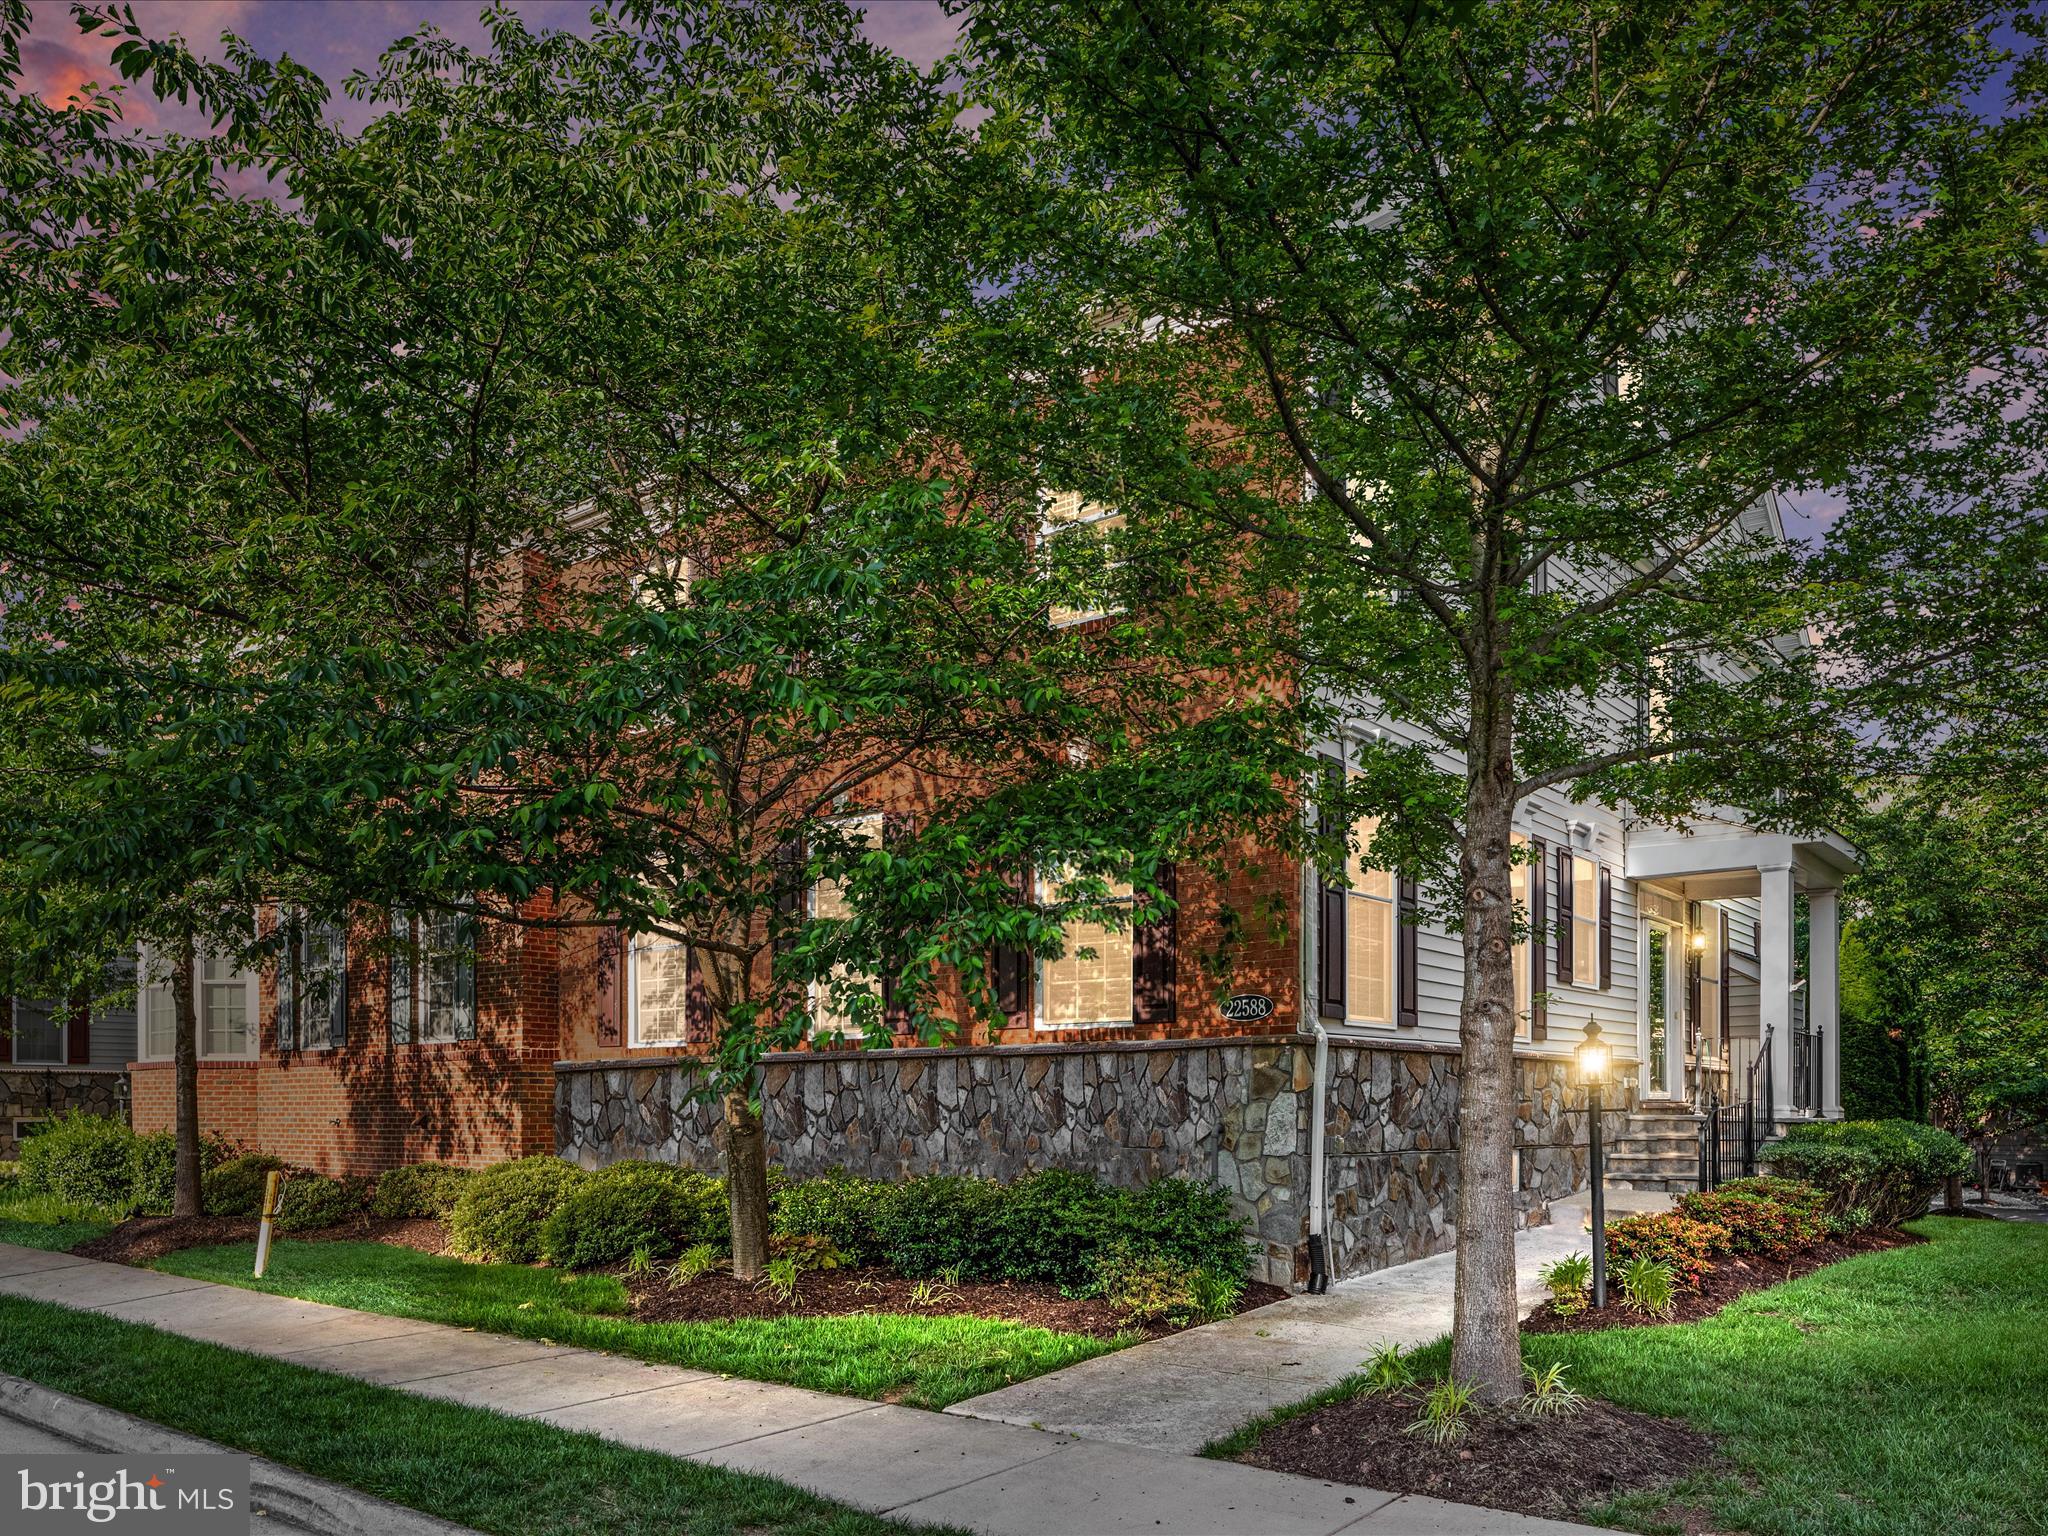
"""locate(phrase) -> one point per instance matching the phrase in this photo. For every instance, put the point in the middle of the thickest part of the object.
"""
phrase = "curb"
(279, 1492)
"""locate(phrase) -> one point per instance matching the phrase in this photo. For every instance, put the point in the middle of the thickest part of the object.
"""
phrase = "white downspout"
(1318, 1193)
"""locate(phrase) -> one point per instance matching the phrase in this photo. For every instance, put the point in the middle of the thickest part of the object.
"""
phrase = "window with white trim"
(317, 967)
(1585, 934)
(831, 1003)
(658, 1001)
(433, 978)
(225, 1005)
(1369, 920)
(39, 1033)
(1090, 986)
(1070, 515)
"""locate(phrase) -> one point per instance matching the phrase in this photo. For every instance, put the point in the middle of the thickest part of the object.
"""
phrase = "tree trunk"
(185, 1199)
(1486, 1316)
(746, 1185)
(1953, 1195)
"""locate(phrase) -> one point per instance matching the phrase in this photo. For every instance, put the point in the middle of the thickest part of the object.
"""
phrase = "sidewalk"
(1181, 1392)
(912, 1465)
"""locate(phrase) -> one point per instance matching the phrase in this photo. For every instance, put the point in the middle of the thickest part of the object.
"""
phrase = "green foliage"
(1889, 1167)
(418, 1189)
(156, 1169)
(1790, 1192)
(502, 1209)
(235, 1187)
(1756, 1224)
(83, 1159)
(943, 1222)
(1216, 1296)
(781, 1277)
(1143, 1285)
(1548, 1394)
(1684, 1246)
(809, 1251)
(311, 1202)
(1387, 1369)
(692, 1264)
(602, 1217)
(1445, 1412)
(1054, 1223)
(10, 1171)
(841, 1207)
(1646, 1285)
(1567, 1280)
(1190, 1220)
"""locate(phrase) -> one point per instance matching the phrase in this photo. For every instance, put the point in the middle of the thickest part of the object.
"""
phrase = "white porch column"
(1774, 980)
(1824, 992)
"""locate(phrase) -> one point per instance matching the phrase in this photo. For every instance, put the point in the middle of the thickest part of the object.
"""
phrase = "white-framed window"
(1091, 985)
(658, 998)
(833, 1017)
(664, 582)
(1070, 515)
(225, 1003)
(1712, 926)
(433, 978)
(40, 1032)
(1522, 879)
(313, 975)
(1584, 937)
(1369, 928)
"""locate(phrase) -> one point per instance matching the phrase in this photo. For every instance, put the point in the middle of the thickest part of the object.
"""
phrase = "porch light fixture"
(1593, 1058)
(1699, 940)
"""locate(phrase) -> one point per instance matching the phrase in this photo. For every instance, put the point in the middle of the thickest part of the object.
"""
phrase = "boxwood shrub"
(501, 1210)
(606, 1216)
(235, 1187)
(155, 1186)
(418, 1189)
(1191, 1221)
(843, 1208)
(944, 1222)
(82, 1159)
(1052, 1226)
(1888, 1169)
(311, 1201)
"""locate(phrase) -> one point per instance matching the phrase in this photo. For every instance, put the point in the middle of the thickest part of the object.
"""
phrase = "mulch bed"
(836, 1292)
(1730, 1279)
(1552, 1466)
(144, 1239)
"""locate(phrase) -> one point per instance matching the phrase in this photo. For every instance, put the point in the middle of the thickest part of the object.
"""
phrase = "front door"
(1663, 1010)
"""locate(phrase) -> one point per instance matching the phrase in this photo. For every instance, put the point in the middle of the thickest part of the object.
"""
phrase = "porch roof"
(1720, 861)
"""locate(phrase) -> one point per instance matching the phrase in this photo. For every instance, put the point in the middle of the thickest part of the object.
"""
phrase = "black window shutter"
(1330, 996)
(286, 1007)
(698, 1023)
(787, 890)
(1010, 964)
(611, 986)
(1606, 928)
(1155, 959)
(465, 981)
(1566, 939)
(337, 989)
(896, 826)
(400, 996)
(1727, 978)
(1407, 932)
(1539, 951)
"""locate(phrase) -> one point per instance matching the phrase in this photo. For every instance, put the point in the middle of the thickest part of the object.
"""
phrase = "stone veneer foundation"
(43, 1093)
(1236, 1111)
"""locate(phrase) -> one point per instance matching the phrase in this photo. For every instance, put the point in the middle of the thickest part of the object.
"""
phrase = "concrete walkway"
(1181, 1392)
(922, 1467)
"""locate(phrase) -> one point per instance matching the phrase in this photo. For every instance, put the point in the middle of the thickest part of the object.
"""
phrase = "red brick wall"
(370, 1104)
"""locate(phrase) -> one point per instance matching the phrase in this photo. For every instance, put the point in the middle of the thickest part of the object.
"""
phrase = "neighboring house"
(58, 1056)
(1188, 1046)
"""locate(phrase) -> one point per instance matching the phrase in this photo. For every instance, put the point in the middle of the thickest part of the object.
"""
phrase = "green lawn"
(44, 1221)
(926, 1362)
(1902, 1393)
(469, 1465)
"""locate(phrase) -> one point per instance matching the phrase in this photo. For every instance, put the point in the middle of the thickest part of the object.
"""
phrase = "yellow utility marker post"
(263, 1226)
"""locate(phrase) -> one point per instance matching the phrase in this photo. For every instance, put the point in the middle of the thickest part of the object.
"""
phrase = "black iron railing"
(1731, 1134)
(1806, 1069)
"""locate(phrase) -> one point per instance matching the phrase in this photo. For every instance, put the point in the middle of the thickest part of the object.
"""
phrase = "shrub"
(10, 1172)
(1567, 1279)
(1646, 1285)
(1190, 1221)
(1756, 1225)
(1892, 1167)
(1143, 1285)
(501, 1209)
(155, 1163)
(606, 1215)
(1054, 1224)
(944, 1223)
(235, 1187)
(841, 1207)
(312, 1201)
(1686, 1246)
(418, 1189)
(81, 1159)
(692, 1264)
(1785, 1191)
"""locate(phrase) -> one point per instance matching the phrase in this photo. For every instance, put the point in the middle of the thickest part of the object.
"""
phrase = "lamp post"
(1593, 1056)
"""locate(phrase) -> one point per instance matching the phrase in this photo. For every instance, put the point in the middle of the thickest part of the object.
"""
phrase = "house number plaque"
(1247, 1007)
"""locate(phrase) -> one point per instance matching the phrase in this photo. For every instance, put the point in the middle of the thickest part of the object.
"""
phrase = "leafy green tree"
(1492, 332)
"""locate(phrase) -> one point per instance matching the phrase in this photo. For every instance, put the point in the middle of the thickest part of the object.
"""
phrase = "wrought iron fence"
(1730, 1134)
(1806, 1068)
